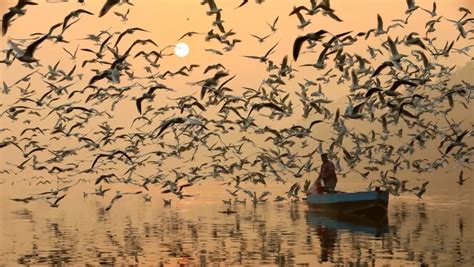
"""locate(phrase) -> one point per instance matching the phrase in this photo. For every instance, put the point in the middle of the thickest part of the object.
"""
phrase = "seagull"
(411, 6)
(27, 55)
(354, 112)
(213, 9)
(120, 195)
(421, 190)
(148, 95)
(74, 14)
(261, 39)
(259, 106)
(72, 54)
(167, 123)
(243, 3)
(410, 40)
(107, 6)
(320, 63)
(461, 178)
(189, 34)
(315, 36)
(218, 22)
(24, 200)
(303, 22)
(123, 16)
(327, 10)
(16, 10)
(381, 67)
(263, 58)
(55, 204)
(128, 31)
(457, 142)
(110, 156)
(433, 10)
(273, 26)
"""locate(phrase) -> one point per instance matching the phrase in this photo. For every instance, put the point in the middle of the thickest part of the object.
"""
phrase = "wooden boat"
(363, 203)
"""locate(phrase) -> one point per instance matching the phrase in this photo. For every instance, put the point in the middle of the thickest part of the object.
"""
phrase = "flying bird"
(263, 58)
(15, 10)
(27, 55)
(110, 156)
(270, 105)
(315, 36)
(107, 6)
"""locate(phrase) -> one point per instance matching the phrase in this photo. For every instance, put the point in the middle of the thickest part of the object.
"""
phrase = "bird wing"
(107, 6)
(297, 45)
(243, 3)
(6, 21)
(271, 49)
(32, 47)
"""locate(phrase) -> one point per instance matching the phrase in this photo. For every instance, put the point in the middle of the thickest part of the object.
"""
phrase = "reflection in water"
(276, 234)
(328, 238)
(328, 226)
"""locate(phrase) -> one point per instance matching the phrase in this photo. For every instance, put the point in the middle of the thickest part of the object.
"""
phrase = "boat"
(370, 203)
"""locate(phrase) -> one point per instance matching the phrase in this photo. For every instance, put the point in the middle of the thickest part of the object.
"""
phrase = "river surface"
(437, 231)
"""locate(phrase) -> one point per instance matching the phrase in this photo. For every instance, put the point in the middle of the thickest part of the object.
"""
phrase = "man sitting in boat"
(327, 175)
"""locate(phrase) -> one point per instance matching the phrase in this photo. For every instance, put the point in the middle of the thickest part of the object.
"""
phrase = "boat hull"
(365, 203)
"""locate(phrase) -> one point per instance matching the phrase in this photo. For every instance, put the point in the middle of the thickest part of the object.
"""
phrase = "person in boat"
(327, 175)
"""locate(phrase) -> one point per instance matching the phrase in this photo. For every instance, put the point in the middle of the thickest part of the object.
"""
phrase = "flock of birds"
(404, 96)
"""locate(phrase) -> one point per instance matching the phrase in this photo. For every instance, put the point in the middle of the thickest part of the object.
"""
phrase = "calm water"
(437, 231)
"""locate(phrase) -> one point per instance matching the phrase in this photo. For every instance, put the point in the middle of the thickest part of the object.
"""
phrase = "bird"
(411, 6)
(461, 179)
(315, 36)
(273, 25)
(328, 11)
(381, 67)
(421, 190)
(320, 62)
(167, 123)
(123, 16)
(189, 34)
(270, 105)
(213, 9)
(107, 6)
(74, 14)
(314, 123)
(55, 204)
(302, 20)
(12, 11)
(433, 10)
(110, 156)
(148, 95)
(354, 112)
(24, 200)
(242, 4)
(261, 39)
(27, 55)
(263, 58)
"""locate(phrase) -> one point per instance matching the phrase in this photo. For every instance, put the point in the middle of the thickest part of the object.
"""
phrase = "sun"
(181, 50)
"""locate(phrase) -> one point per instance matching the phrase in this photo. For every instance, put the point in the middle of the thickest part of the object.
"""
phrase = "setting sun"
(181, 50)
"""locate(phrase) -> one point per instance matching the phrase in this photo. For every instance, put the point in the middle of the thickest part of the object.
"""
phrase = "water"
(434, 231)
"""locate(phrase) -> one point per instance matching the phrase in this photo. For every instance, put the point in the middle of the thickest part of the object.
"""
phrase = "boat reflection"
(328, 227)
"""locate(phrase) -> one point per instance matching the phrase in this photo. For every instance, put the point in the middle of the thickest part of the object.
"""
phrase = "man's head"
(324, 157)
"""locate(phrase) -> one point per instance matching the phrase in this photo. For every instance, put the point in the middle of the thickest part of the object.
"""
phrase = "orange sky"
(167, 20)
